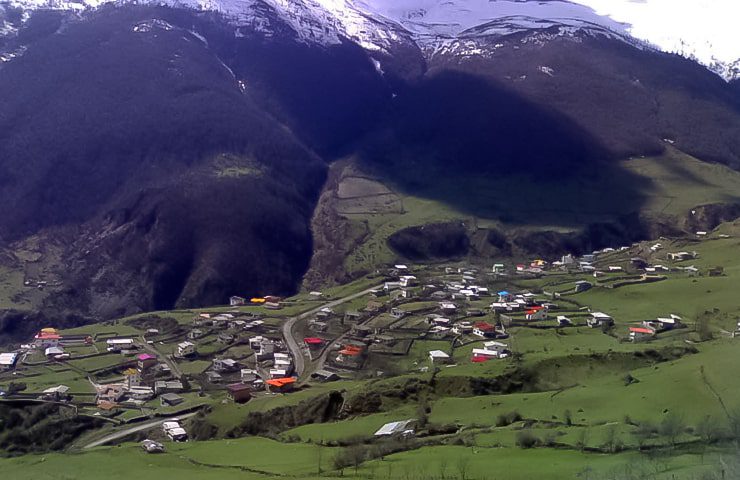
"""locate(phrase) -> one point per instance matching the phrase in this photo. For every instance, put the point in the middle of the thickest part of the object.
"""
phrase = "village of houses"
(146, 368)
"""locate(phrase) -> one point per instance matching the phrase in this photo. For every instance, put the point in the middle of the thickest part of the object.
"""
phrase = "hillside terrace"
(457, 319)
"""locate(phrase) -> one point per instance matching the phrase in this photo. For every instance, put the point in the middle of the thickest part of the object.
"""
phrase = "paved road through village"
(294, 344)
(138, 428)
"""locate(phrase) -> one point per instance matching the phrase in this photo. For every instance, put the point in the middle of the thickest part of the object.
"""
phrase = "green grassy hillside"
(369, 209)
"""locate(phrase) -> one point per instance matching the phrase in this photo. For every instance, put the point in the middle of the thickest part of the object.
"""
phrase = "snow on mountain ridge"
(705, 31)
(437, 25)
(451, 18)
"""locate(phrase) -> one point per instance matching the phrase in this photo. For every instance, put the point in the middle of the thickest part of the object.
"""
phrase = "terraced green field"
(592, 404)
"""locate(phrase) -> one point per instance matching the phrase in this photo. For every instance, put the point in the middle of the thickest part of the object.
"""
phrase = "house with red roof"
(484, 329)
(639, 334)
(313, 342)
(46, 339)
(536, 313)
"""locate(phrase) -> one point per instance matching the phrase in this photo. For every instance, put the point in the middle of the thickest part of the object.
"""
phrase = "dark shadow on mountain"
(632, 101)
(428, 242)
(482, 148)
(113, 135)
(329, 96)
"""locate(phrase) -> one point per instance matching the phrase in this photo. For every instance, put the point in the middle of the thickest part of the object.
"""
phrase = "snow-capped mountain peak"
(703, 31)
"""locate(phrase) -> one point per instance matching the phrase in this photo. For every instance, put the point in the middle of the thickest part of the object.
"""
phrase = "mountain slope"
(137, 144)
(155, 157)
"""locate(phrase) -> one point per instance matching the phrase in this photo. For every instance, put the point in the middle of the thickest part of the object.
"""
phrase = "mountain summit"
(463, 26)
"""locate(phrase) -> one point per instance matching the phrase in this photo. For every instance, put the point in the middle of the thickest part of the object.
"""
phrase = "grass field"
(251, 459)
(98, 362)
(510, 463)
(669, 184)
(680, 182)
(677, 387)
(43, 377)
(573, 388)
(682, 295)
(225, 415)
(358, 427)
(116, 463)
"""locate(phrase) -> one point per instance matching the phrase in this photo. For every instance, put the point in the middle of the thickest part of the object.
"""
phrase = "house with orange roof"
(281, 385)
(350, 355)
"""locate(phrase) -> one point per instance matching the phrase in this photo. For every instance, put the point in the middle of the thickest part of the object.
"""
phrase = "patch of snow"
(450, 18)
(199, 37)
(231, 72)
(8, 56)
(6, 28)
(547, 70)
(378, 67)
(149, 25)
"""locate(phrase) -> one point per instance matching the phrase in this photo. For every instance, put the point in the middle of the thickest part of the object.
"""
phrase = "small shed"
(438, 356)
(170, 399)
(214, 377)
(402, 428)
(237, 301)
(600, 319)
(185, 349)
(313, 342)
(239, 392)
(325, 376)
(351, 317)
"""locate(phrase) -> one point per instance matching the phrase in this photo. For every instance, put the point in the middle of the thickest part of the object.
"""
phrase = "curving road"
(137, 428)
(177, 373)
(294, 345)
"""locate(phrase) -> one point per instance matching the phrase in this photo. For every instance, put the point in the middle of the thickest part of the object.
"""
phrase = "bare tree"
(352, 455)
(671, 427)
(734, 424)
(568, 417)
(709, 429)
(318, 459)
(611, 441)
(582, 439)
(703, 326)
(644, 432)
